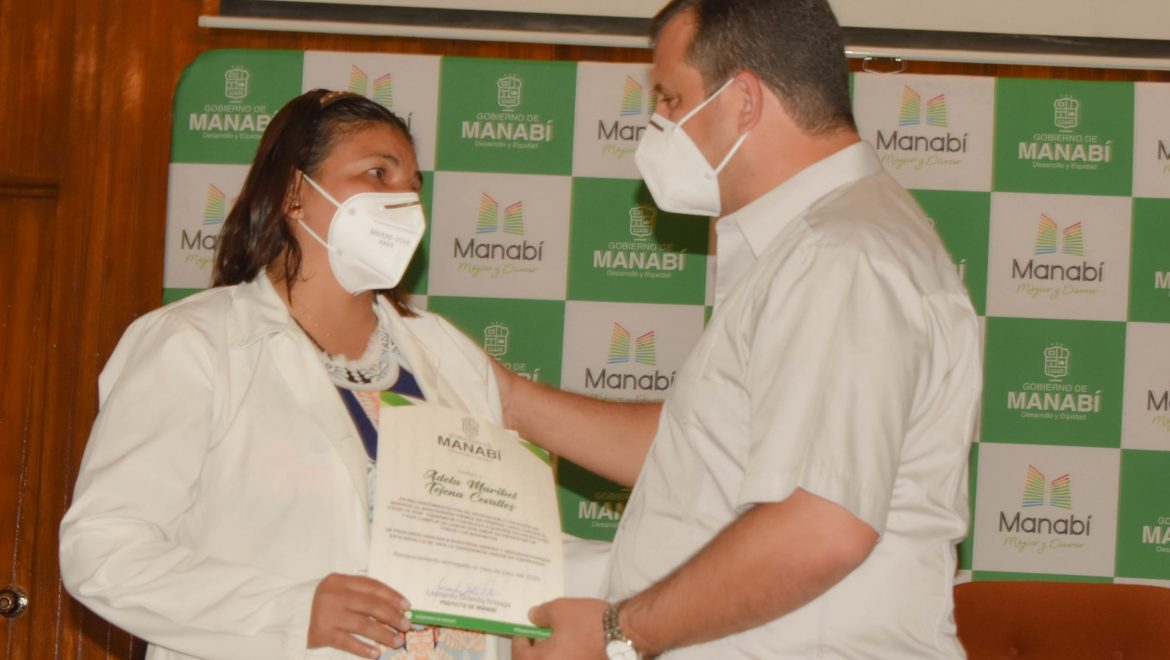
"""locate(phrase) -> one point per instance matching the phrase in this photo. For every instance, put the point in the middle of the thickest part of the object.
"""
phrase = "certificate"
(466, 523)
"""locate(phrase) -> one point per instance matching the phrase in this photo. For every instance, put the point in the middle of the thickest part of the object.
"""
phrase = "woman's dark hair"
(796, 47)
(256, 234)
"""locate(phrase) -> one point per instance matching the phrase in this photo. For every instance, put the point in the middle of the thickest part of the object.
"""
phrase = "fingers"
(379, 610)
(349, 607)
(540, 615)
(523, 648)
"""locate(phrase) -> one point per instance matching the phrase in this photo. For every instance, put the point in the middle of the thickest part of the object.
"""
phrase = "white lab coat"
(224, 478)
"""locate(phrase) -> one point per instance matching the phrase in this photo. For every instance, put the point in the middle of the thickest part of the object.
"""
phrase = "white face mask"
(372, 238)
(678, 176)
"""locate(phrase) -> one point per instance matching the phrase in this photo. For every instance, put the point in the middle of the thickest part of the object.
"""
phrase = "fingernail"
(374, 653)
(404, 604)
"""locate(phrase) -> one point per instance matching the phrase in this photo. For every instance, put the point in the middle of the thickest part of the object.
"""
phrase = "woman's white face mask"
(678, 176)
(372, 237)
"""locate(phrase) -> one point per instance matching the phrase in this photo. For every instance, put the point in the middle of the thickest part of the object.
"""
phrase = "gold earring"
(296, 210)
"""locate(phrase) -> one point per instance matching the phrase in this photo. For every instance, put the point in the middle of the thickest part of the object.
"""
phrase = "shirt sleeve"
(834, 349)
(139, 476)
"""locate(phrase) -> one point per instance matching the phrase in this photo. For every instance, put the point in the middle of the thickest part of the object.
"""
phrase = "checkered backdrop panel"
(1052, 196)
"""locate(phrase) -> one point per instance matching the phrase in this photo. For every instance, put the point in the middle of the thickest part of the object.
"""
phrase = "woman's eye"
(378, 172)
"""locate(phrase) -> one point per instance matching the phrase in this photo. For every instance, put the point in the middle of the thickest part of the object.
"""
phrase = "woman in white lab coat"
(222, 508)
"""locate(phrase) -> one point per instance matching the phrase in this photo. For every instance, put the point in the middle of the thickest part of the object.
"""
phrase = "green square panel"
(1053, 382)
(226, 99)
(524, 335)
(1149, 283)
(962, 220)
(1064, 136)
(591, 505)
(506, 116)
(1143, 527)
(623, 248)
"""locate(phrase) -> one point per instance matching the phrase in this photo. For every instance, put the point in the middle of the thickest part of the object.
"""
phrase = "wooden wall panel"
(22, 329)
(34, 39)
(83, 181)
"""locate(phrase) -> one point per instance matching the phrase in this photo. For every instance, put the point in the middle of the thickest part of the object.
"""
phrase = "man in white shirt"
(801, 491)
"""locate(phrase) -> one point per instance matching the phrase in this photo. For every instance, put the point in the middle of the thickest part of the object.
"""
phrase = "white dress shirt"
(842, 358)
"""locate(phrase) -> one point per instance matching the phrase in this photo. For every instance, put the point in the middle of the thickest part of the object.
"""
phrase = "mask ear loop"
(731, 153)
(321, 190)
(301, 220)
(695, 110)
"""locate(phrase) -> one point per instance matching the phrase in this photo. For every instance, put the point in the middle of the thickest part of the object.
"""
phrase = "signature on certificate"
(464, 588)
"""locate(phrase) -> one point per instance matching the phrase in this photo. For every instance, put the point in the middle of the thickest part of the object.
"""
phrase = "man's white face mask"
(372, 237)
(678, 176)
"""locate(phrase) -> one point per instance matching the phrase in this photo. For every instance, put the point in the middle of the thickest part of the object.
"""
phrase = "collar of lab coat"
(262, 314)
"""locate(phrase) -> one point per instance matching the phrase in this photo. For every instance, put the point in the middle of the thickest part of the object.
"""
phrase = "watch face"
(620, 650)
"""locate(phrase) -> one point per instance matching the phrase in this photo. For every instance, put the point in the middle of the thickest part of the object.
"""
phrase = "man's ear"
(751, 91)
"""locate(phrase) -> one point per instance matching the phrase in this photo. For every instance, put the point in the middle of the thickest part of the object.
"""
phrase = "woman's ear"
(293, 206)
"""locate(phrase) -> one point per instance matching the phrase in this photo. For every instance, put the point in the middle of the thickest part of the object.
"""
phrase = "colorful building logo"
(215, 210)
(1047, 238)
(383, 88)
(1059, 494)
(488, 220)
(910, 113)
(1051, 241)
(619, 347)
(235, 83)
(495, 340)
(1042, 531)
(632, 97)
(508, 92)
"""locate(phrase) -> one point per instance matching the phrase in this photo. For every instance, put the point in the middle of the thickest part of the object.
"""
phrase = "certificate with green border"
(466, 523)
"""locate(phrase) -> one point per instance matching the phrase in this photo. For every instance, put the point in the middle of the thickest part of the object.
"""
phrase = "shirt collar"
(260, 311)
(742, 236)
(764, 218)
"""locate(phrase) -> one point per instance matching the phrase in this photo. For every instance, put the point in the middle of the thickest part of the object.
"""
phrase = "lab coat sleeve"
(121, 551)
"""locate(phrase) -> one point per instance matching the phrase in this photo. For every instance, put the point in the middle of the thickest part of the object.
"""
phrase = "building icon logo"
(383, 89)
(1056, 362)
(488, 220)
(495, 340)
(508, 92)
(1037, 491)
(619, 347)
(235, 83)
(215, 210)
(643, 218)
(1066, 112)
(632, 98)
(910, 113)
(1070, 241)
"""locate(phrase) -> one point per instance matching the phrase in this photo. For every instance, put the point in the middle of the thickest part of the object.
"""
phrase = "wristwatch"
(617, 645)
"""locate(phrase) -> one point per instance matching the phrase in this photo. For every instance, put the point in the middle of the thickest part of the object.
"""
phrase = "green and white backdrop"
(543, 245)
